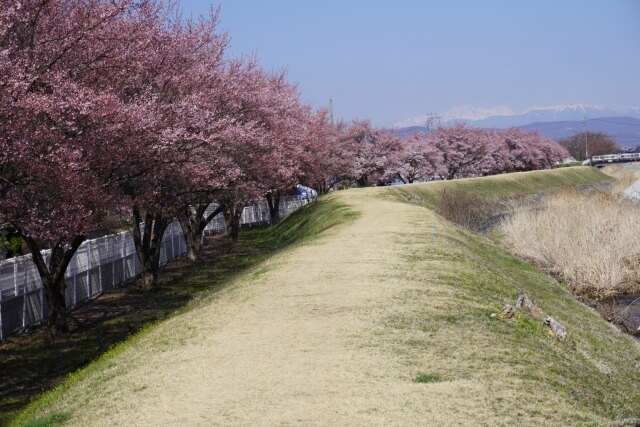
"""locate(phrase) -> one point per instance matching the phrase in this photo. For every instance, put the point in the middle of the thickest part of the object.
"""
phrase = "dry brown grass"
(475, 213)
(591, 241)
(624, 174)
(623, 181)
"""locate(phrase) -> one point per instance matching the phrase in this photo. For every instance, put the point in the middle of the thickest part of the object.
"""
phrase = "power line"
(541, 124)
(625, 136)
(620, 123)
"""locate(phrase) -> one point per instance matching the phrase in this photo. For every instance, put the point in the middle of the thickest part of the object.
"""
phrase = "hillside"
(503, 117)
(624, 130)
(383, 318)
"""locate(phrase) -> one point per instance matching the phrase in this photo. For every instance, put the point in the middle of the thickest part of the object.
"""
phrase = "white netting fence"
(99, 265)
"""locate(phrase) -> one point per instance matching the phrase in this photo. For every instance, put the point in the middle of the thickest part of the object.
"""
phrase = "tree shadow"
(29, 366)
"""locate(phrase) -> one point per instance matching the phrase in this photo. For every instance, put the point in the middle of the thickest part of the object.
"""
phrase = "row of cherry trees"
(377, 157)
(122, 108)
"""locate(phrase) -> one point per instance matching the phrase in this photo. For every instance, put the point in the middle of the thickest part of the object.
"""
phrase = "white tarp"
(633, 191)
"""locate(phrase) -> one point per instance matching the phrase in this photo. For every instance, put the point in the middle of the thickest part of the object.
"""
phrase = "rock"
(626, 422)
(507, 312)
(524, 301)
(556, 328)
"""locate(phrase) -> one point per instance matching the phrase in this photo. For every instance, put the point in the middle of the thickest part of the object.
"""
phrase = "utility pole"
(331, 110)
(586, 138)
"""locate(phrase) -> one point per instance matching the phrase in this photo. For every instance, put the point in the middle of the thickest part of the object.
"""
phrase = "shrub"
(568, 165)
(590, 241)
(467, 210)
(10, 244)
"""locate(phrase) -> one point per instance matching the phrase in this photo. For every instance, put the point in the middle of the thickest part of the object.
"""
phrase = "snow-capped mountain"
(503, 117)
(463, 112)
(624, 130)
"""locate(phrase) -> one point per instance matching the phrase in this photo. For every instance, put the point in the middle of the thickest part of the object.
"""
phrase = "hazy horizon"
(393, 61)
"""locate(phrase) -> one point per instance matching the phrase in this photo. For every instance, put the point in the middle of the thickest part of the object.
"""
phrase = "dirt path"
(297, 341)
(284, 347)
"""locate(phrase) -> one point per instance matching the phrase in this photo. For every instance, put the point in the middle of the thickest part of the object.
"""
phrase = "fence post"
(100, 285)
(1, 335)
(75, 277)
(89, 269)
(15, 276)
(24, 297)
(24, 307)
(173, 243)
(124, 259)
(42, 302)
(113, 260)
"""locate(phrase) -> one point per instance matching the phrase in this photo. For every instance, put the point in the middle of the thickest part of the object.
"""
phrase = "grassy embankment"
(597, 367)
(102, 327)
(437, 325)
(504, 186)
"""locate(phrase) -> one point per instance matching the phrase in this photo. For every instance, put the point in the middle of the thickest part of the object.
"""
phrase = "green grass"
(49, 420)
(427, 378)
(117, 321)
(569, 165)
(303, 224)
(501, 186)
(467, 277)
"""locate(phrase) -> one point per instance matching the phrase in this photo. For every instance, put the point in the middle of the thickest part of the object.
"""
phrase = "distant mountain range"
(558, 122)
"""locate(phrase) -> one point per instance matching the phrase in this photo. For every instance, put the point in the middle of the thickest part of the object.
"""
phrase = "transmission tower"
(433, 119)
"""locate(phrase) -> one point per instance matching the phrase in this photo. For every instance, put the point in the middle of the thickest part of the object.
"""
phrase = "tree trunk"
(149, 273)
(323, 187)
(193, 222)
(273, 200)
(193, 241)
(52, 276)
(148, 242)
(232, 214)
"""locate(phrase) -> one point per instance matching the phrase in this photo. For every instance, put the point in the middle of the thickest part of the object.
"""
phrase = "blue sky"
(393, 60)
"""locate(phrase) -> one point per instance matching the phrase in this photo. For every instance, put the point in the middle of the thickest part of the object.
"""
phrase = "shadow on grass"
(29, 368)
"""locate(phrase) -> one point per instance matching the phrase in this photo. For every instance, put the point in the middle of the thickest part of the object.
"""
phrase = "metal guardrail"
(615, 158)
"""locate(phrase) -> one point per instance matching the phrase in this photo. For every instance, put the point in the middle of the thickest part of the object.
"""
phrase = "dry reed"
(591, 241)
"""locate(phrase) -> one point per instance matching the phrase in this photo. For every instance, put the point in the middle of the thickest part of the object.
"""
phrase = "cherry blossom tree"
(324, 159)
(527, 150)
(60, 129)
(248, 145)
(374, 153)
(464, 150)
(419, 159)
(180, 61)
